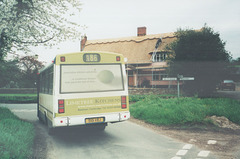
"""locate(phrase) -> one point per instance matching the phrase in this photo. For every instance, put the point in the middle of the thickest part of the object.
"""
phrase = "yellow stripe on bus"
(96, 105)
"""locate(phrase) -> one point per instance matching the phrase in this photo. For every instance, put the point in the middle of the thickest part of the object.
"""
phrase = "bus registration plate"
(94, 120)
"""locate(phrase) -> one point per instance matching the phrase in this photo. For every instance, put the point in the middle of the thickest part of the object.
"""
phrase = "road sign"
(187, 78)
(169, 79)
(179, 78)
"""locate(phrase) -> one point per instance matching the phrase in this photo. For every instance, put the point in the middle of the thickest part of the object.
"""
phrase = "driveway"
(229, 94)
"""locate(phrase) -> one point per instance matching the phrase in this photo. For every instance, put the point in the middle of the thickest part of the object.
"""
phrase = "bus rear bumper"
(81, 120)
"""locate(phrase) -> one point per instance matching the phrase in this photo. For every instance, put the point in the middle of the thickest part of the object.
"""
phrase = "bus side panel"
(46, 105)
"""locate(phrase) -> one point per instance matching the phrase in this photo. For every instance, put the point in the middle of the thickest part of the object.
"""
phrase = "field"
(183, 111)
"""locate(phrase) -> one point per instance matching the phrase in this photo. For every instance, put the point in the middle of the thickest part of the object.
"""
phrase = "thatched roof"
(137, 49)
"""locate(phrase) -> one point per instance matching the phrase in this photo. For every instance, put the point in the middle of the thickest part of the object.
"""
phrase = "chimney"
(83, 42)
(141, 31)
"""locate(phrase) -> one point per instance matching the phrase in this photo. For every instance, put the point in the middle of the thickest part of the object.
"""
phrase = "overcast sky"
(120, 18)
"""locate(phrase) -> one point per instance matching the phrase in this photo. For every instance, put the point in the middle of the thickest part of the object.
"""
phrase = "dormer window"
(159, 57)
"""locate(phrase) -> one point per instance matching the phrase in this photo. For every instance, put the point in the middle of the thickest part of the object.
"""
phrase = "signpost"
(170, 79)
(187, 79)
(178, 78)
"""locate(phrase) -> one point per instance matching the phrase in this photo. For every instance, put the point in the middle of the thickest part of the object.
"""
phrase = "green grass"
(181, 111)
(16, 136)
(136, 98)
(18, 98)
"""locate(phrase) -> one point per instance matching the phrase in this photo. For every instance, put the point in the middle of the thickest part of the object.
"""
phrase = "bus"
(84, 88)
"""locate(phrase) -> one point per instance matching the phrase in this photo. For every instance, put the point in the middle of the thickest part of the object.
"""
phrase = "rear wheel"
(40, 117)
(50, 129)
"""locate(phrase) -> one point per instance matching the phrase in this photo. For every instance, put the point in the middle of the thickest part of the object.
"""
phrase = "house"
(143, 68)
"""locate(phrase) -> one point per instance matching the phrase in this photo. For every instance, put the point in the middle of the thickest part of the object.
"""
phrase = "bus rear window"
(91, 78)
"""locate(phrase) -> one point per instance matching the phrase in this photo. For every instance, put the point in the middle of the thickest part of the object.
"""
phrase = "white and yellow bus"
(85, 88)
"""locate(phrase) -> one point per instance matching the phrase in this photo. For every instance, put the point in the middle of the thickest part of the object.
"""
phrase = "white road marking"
(181, 152)
(23, 110)
(187, 147)
(203, 153)
(211, 142)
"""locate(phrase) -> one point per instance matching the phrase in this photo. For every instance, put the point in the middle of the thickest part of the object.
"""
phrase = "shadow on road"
(81, 136)
(69, 137)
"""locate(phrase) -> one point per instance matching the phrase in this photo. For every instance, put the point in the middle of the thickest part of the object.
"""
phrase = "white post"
(178, 88)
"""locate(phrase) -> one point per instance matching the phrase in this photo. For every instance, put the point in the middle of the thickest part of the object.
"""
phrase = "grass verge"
(181, 111)
(18, 98)
(16, 136)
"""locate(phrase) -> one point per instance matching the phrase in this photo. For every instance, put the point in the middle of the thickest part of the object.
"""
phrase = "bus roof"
(94, 57)
(77, 57)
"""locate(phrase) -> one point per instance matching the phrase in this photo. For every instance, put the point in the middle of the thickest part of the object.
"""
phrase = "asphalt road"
(118, 141)
(229, 94)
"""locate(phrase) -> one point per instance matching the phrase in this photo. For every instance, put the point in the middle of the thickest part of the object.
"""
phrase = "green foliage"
(6, 114)
(180, 111)
(10, 74)
(223, 107)
(200, 54)
(18, 98)
(16, 136)
(19, 73)
(29, 68)
(136, 98)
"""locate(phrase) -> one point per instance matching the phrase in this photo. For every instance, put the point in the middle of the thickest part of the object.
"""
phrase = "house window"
(163, 75)
(159, 56)
(156, 77)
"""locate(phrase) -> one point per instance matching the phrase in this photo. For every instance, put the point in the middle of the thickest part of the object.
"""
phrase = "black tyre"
(50, 129)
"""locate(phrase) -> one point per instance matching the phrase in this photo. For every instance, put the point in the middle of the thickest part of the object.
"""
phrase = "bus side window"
(40, 84)
(46, 81)
(50, 81)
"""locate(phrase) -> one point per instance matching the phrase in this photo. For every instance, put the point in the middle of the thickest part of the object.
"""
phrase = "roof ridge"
(136, 39)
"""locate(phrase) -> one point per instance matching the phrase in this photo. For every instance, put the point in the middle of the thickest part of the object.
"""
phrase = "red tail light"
(118, 58)
(61, 106)
(124, 102)
(62, 58)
